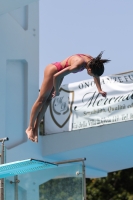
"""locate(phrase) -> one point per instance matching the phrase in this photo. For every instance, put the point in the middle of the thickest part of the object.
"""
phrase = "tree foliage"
(116, 186)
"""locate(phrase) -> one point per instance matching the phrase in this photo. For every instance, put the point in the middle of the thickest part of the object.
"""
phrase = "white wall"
(19, 77)
(7, 5)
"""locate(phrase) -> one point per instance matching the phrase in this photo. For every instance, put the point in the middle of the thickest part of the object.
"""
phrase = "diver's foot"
(36, 134)
(30, 134)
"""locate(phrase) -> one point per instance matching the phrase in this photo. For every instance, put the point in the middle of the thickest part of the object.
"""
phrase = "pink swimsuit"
(59, 66)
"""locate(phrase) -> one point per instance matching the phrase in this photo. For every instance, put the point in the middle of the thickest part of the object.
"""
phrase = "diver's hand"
(102, 93)
(55, 93)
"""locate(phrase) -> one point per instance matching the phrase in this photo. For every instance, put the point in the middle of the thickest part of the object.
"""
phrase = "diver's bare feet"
(36, 134)
(36, 131)
(30, 134)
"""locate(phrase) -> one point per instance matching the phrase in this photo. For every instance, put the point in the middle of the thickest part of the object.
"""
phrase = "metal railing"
(2, 155)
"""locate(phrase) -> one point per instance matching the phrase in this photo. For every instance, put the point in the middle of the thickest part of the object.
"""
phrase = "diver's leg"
(41, 114)
(45, 91)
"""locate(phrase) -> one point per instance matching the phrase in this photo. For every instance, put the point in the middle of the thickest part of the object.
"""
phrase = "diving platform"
(106, 148)
(22, 167)
(34, 179)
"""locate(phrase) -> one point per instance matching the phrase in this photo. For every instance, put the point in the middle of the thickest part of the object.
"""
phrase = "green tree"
(116, 186)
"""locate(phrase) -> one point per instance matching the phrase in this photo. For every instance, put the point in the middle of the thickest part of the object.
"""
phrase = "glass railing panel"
(62, 183)
(9, 188)
(67, 185)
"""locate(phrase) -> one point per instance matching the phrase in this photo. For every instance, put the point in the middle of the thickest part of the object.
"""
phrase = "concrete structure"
(107, 148)
(19, 64)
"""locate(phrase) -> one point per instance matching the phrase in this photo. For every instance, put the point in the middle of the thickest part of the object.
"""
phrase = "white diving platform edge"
(24, 166)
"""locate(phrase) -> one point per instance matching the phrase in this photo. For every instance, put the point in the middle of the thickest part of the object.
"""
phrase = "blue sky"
(87, 26)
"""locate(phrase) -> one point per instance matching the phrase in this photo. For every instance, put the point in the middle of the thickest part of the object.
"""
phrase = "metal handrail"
(2, 155)
(4, 139)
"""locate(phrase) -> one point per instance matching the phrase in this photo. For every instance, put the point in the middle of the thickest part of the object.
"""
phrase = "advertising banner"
(80, 105)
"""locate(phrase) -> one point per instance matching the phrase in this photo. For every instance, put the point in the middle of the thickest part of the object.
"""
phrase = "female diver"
(53, 76)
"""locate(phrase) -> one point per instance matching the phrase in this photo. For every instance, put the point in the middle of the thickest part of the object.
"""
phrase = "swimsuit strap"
(80, 55)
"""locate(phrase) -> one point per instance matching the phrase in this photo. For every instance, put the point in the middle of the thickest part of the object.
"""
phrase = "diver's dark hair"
(97, 65)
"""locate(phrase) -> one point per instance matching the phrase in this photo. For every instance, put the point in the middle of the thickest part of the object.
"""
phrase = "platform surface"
(24, 166)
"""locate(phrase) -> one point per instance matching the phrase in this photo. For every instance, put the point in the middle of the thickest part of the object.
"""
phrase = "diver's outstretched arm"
(98, 84)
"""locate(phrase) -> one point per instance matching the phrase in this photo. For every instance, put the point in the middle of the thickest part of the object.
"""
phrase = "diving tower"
(106, 148)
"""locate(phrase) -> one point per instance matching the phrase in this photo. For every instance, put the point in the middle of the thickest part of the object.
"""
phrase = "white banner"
(80, 105)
